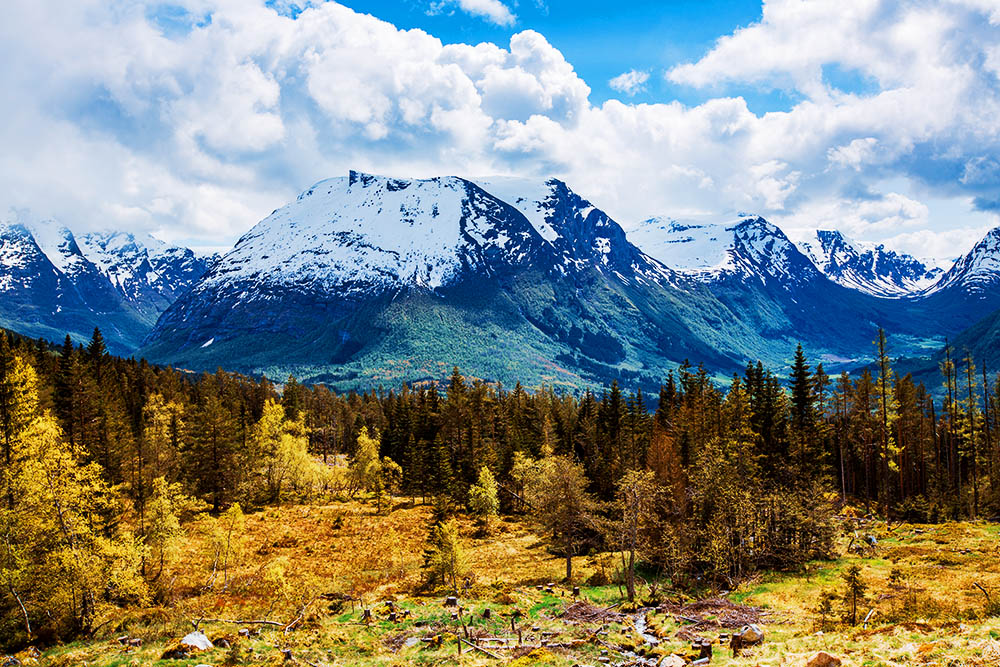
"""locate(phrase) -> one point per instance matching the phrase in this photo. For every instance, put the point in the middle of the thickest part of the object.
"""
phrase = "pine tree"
(887, 408)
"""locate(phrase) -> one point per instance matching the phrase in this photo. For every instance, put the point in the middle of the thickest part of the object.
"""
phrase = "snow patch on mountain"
(976, 272)
(364, 231)
(867, 267)
(146, 273)
(750, 249)
(532, 197)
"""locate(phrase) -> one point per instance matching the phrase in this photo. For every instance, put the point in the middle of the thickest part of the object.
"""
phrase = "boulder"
(751, 634)
(197, 640)
(823, 659)
(185, 648)
(672, 661)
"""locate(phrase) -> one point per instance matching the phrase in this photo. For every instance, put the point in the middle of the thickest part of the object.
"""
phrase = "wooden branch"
(243, 622)
(504, 488)
(989, 599)
(302, 613)
(24, 611)
(480, 649)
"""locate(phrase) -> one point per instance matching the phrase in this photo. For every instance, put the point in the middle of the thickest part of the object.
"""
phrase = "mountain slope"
(763, 278)
(368, 278)
(968, 291)
(53, 283)
(868, 267)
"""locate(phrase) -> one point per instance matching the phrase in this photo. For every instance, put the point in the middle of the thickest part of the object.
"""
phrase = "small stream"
(641, 624)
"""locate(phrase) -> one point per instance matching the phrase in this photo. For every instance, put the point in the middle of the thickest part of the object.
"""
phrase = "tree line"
(103, 459)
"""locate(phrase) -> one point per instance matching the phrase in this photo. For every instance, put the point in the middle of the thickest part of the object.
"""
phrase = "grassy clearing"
(920, 582)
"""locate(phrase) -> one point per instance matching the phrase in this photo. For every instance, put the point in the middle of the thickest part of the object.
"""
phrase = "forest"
(105, 460)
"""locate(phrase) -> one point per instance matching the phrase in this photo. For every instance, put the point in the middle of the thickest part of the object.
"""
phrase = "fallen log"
(242, 622)
(480, 649)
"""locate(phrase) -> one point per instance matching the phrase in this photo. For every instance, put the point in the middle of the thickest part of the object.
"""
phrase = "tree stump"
(736, 644)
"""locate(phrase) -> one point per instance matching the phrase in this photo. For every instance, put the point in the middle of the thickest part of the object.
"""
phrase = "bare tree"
(635, 510)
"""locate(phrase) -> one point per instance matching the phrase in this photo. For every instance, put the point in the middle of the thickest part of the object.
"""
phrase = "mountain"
(749, 249)
(868, 267)
(370, 279)
(968, 291)
(977, 273)
(54, 283)
(767, 282)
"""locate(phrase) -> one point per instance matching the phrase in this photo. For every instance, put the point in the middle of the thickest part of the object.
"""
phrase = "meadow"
(340, 585)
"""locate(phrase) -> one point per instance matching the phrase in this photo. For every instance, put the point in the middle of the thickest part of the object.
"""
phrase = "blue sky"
(194, 119)
(602, 39)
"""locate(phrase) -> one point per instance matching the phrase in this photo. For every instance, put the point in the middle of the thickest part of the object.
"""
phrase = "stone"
(823, 659)
(672, 661)
(751, 634)
(196, 640)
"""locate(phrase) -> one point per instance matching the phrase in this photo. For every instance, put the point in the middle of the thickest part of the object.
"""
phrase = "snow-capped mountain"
(55, 283)
(364, 233)
(147, 273)
(511, 279)
(978, 272)
(750, 248)
(868, 267)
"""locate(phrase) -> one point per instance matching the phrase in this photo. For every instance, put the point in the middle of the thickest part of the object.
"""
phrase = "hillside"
(920, 578)
(368, 279)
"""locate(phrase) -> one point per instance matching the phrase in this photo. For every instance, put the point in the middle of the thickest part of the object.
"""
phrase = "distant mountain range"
(367, 279)
(53, 283)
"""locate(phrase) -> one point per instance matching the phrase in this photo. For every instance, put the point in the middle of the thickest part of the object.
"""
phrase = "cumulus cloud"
(630, 83)
(493, 11)
(196, 120)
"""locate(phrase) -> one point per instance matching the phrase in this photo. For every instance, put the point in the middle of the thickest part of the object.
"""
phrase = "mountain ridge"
(56, 283)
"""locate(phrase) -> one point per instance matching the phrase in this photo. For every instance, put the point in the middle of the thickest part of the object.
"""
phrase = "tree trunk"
(569, 559)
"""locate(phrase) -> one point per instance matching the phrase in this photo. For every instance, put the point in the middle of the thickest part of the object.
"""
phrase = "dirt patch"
(395, 641)
(715, 612)
(584, 612)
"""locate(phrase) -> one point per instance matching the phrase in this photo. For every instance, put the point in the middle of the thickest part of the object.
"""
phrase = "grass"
(930, 612)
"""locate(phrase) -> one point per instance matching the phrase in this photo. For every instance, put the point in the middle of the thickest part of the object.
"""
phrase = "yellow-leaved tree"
(64, 565)
(280, 446)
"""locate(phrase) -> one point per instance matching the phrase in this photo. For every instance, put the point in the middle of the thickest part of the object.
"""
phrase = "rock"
(751, 634)
(672, 661)
(823, 659)
(197, 640)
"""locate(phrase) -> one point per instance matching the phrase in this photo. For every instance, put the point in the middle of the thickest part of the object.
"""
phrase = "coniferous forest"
(105, 458)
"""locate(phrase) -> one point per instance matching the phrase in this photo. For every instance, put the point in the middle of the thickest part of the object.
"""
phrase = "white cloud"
(197, 132)
(493, 11)
(630, 83)
(855, 154)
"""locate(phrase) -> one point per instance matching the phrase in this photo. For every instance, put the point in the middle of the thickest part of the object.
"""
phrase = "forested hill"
(102, 454)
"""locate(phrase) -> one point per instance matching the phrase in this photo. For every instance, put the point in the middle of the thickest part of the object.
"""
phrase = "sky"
(194, 119)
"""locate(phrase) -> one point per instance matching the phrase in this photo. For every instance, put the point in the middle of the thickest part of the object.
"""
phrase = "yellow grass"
(933, 614)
